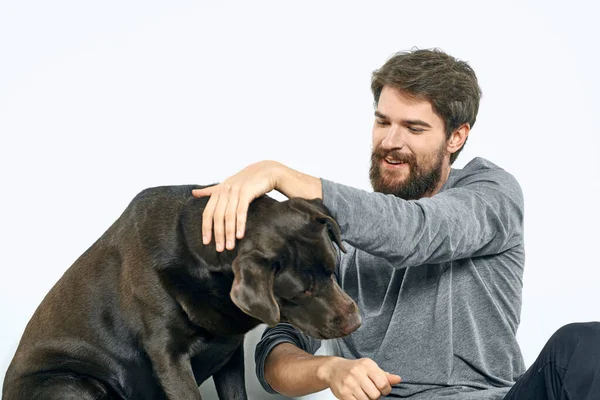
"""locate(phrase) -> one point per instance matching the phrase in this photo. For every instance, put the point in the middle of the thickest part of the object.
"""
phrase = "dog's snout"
(350, 318)
(352, 324)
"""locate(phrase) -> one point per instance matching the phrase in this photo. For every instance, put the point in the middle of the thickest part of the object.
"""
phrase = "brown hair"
(448, 83)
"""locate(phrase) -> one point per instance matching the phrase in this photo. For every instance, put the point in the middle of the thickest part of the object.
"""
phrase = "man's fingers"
(203, 192)
(242, 213)
(369, 388)
(360, 380)
(354, 391)
(207, 219)
(219, 222)
(360, 395)
(380, 380)
(230, 218)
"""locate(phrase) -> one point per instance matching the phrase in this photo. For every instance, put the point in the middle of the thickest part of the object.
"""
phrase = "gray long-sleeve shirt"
(438, 282)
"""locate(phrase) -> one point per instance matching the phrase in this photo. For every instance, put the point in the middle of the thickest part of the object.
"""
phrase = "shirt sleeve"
(481, 214)
(271, 337)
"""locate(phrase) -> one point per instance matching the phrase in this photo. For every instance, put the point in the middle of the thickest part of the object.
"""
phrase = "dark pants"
(567, 368)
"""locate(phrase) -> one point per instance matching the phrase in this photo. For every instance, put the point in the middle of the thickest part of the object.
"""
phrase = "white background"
(99, 100)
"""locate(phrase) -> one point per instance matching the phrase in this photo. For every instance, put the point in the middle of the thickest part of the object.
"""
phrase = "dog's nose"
(352, 324)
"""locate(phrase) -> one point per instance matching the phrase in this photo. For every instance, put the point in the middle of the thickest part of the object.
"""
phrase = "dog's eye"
(303, 297)
(310, 290)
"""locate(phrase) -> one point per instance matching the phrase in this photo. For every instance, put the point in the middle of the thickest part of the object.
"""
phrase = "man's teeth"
(394, 161)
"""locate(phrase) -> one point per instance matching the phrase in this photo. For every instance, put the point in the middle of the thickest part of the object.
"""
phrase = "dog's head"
(284, 271)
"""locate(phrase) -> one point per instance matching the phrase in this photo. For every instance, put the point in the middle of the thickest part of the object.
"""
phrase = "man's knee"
(579, 330)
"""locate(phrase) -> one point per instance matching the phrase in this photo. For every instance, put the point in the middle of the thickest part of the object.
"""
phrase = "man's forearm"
(294, 372)
(293, 183)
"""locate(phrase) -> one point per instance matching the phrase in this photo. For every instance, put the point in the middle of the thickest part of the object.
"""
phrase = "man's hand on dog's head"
(227, 208)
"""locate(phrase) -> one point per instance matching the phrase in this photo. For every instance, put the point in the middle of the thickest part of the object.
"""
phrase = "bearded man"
(434, 259)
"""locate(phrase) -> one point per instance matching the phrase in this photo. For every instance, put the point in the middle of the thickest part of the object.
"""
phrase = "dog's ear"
(333, 229)
(322, 215)
(252, 289)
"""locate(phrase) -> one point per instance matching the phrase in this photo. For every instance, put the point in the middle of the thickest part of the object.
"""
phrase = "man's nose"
(394, 138)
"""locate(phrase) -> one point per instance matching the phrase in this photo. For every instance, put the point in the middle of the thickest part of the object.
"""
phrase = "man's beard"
(420, 181)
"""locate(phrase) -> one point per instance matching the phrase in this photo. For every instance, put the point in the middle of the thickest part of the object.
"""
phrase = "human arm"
(480, 214)
(285, 364)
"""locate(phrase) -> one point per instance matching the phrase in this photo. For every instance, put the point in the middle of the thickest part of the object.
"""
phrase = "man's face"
(409, 157)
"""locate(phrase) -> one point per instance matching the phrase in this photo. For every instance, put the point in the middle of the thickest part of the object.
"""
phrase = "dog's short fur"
(149, 312)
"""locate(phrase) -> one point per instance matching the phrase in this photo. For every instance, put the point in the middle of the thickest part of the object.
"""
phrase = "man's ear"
(252, 289)
(458, 138)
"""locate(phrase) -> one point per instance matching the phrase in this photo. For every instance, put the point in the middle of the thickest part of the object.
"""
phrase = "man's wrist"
(293, 183)
(277, 173)
(324, 370)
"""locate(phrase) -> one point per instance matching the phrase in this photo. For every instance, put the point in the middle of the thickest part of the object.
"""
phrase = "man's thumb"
(393, 379)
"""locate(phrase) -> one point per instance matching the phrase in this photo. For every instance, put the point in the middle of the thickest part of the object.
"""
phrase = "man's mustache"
(379, 154)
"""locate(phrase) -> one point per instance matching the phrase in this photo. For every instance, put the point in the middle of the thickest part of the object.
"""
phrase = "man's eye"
(415, 130)
(382, 122)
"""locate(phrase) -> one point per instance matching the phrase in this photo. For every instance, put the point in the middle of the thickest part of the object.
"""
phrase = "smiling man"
(434, 260)
(408, 160)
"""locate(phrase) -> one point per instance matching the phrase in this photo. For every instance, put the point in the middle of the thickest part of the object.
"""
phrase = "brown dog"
(149, 312)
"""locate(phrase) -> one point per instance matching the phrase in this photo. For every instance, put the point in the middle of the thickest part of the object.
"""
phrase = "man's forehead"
(395, 100)
(397, 106)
